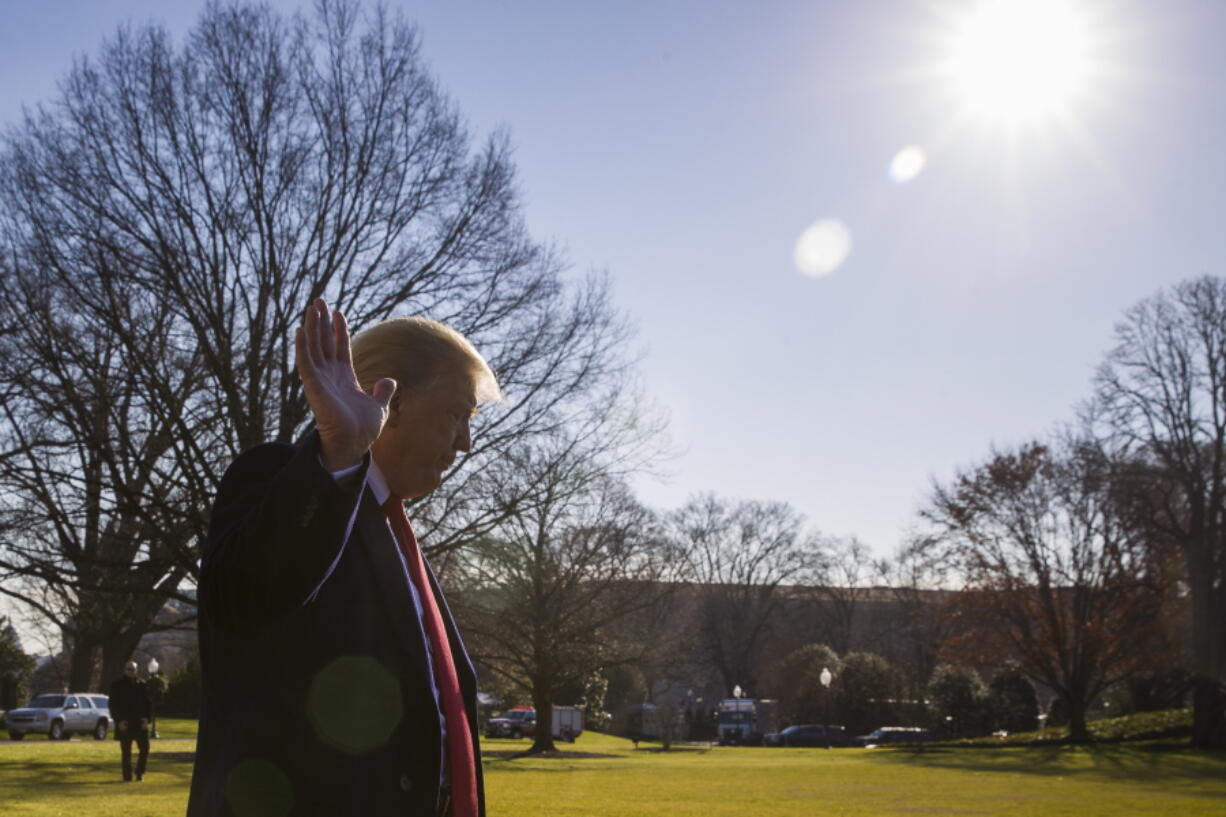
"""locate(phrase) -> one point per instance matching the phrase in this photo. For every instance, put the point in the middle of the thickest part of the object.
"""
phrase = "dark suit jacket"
(129, 701)
(317, 698)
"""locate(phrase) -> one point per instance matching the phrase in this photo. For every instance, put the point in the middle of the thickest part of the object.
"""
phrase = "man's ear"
(393, 408)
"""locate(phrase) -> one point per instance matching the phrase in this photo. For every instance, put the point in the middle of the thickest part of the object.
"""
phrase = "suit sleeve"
(279, 524)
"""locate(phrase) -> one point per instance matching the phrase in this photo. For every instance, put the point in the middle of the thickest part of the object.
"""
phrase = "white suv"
(60, 716)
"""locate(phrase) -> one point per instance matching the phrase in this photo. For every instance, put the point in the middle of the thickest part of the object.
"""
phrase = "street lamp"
(738, 719)
(155, 694)
(826, 677)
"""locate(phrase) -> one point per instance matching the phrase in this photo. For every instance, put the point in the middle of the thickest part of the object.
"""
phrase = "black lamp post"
(826, 677)
(154, 696)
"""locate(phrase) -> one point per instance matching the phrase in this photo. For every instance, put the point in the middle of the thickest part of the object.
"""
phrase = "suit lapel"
(390, 577)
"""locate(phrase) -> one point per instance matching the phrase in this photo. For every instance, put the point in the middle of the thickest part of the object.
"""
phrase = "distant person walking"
(132, 710)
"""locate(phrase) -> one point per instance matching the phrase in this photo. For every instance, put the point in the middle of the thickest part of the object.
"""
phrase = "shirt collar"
(377, 482)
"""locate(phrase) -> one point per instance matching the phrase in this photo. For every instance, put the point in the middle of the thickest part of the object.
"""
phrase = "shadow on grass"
(66, 776)
(559, 754)
(1158, 761)
(37, 774)
(175, 757)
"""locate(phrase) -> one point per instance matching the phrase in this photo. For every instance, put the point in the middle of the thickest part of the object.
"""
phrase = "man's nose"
(464, 438)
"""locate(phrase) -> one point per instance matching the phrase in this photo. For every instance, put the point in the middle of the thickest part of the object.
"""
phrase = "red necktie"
(460, 758)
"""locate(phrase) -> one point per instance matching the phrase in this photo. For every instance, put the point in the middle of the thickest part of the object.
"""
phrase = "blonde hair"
(415, 352)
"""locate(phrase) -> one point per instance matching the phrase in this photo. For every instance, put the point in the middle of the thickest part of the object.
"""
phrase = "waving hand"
(347, 418)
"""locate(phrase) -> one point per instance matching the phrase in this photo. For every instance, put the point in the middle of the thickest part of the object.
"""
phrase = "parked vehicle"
(745, 720)
(61, 716)
(511, 723)
(520, 722)
(567, 722)
(807, 735)
(892, 735)
(639, 722)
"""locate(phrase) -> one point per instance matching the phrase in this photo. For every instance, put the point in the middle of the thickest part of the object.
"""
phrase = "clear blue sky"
(685, 146)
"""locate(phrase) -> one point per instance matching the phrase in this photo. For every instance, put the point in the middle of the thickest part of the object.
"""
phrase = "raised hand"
(347, 418)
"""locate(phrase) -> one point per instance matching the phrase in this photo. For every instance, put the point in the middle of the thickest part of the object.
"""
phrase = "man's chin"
(423, 487)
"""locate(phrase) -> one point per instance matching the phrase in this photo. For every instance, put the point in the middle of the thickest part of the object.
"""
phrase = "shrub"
(183, 691)
(1012, 704)
(956, 702)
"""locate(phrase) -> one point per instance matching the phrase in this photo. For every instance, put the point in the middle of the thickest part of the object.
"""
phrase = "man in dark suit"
(335, 681)
(131, 709)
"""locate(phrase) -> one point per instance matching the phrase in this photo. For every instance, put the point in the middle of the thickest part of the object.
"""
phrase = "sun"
(1018, 61)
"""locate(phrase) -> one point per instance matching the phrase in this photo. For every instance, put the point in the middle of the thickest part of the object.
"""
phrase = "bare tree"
(547, 593)
(741, 554)
(95, 530)
(1161, 403)
(670, 670)
(1055, 577)
(219, 185)
(847, 566)
(918, 625)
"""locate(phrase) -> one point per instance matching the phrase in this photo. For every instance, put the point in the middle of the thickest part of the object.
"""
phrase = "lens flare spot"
(822, 248)
(256, 787)
(908, 163)
(355, 704)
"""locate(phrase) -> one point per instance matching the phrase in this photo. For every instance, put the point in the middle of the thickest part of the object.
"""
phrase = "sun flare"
(822, 248)
(1020, 60)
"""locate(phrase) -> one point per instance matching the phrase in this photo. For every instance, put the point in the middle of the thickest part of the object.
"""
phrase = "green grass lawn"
(167, 728)
(601, 776)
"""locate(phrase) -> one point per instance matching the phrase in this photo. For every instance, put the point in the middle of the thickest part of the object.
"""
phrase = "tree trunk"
(1208, 636)
(81, 666)
(1078, 732)
(542, 741)
(117, 651)
(1208, 714)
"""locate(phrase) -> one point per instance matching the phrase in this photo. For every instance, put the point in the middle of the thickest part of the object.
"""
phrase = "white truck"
(743, 721)
(567, 722)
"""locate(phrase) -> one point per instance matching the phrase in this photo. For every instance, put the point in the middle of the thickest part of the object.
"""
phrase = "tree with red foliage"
(1055, 578)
